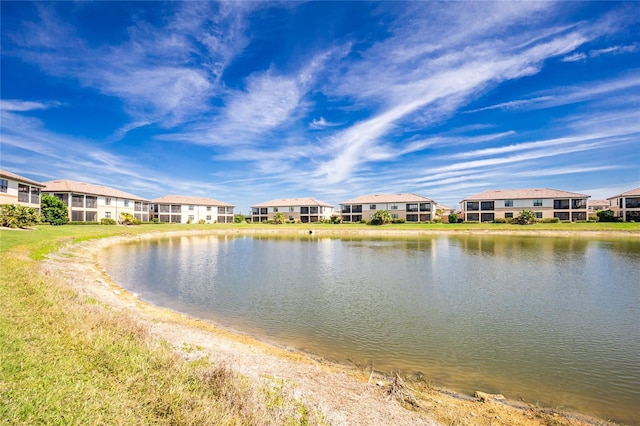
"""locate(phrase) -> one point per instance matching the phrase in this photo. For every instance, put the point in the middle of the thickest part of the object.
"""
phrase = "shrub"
(508, 219)
(453, 218)
(526, 217)
(551, 220)
(17, 216)
(107, 221)
(437, 220)
(380, 217)
(128, 219)
(336, 219)
(607, 216)
(201, 222)
(499, 220)
(238, 218)
(54, 210)
(399, 220)
(278, 218)
(155, 220)
(81, 222)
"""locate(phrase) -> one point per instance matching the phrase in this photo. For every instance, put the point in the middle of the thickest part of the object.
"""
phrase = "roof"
(388, 198)
(292, 202)
(13, 176)
(632, 193)
(598, 202)
(87, 188)
(520, 194)
(187, 200)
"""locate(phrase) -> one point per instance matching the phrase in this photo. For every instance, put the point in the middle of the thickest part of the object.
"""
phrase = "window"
(263, 210)
(208, 208)
(91, 216)
(4, 184)
(412, 207)
(508, 215)
(229, 211)
(107, 215)
(346, 209)
(473, 217)
(176, 208)
(538, 215)
(291, 209)
(412, 218)
(107, 201)
(35, 195)
(191, 217)
(91, 203)
(372, 206)
(537, 203)
(221, 210)
(313, 210)
(23, 193)
(304, 210)
(137, 206)
(275, 210)
(77, 216)
(486, 205)
(126, 203)
(561, 204)
(632, 202)
(473, 205)
(208, 217)
(508, 203)
(77, 201)
(425, 207)
(191, 208)
(394, 207)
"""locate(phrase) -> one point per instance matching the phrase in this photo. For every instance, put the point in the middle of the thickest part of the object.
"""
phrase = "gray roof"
(293, 202)
(521, 194)
(187, 200)
(388, 198)
(87, 188)
(13, 176)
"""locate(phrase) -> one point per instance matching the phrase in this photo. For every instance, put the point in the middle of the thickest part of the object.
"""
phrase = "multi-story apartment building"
(410, 207)
(508, 203)
(16, 189)
(305, 210)
(185, 209)
(87, 202)
(626, 205)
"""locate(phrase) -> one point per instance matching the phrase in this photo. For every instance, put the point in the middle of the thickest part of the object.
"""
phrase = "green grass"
(66, 359)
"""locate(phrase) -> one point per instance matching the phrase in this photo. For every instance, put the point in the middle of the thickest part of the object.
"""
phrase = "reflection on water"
(549, 320)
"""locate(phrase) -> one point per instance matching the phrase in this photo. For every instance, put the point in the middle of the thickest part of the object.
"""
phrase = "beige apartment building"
(626, 205)
(305, 210)
(508, 203)
(87, 202)
(185, 209)
(410, 207)
(16, 189)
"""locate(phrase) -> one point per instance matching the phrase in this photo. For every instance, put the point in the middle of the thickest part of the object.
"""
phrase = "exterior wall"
(304, 214)
(190, 213)
(411, 212)
(545, 208)
(627, 208)
(16, 192)
(94, 208)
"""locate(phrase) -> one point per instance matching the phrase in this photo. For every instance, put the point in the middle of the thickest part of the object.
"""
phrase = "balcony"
(578, 204)
(346, 209)
(632, 203)
(473, 206)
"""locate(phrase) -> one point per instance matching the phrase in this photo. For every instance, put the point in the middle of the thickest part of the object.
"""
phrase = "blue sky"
(247, 101)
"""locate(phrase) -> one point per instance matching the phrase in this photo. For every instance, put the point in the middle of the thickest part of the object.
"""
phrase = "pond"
(549, 320)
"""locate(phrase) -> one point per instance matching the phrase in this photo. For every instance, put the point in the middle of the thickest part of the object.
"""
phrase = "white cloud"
(22, 106)
(575, 57)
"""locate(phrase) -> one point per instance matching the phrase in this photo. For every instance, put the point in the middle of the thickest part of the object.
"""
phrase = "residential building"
(626, 205)
(594, 206)
(16, 189)
(305, 210)
(410, 207)
(508, 203)
(87, 202)
(185, 209)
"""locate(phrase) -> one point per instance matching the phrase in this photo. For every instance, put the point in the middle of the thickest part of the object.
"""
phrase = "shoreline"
(345, 394)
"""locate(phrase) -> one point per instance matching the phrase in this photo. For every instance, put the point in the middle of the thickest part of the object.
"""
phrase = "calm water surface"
(554, 321)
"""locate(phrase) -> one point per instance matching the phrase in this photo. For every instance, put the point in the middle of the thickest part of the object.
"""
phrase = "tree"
(54, 210)
(606, 216)
(17, 216)
(238, 218)
(380, 217)
(278, 218)
(526, 217)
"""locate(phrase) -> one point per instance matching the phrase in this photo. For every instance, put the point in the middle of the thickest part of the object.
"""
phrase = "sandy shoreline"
(345, 395)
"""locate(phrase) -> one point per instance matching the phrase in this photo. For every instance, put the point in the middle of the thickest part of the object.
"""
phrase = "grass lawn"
(67, 359)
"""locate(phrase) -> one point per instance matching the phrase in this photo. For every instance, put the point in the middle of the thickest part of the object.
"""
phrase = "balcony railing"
(632, 203)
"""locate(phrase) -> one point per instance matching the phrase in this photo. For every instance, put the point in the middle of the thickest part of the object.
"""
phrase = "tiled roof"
(388, 198)
(292, 202)
(186, 200)
(87, 188)
(520, 194)
(13, 176)
(632, 193)
(598, 202)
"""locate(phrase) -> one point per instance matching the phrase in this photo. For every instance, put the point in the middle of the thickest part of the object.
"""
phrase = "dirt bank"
(345, 395)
